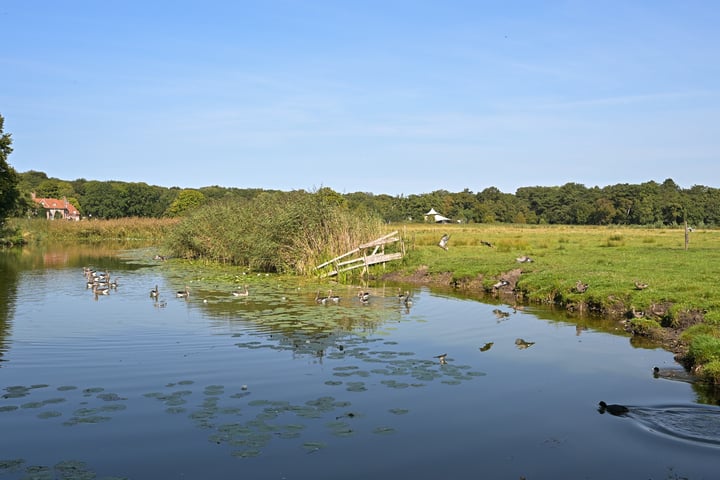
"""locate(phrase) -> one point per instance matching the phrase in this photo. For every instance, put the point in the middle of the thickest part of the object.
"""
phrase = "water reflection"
(275, 379)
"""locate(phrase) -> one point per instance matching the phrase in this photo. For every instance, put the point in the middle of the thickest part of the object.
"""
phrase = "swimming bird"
(319, 299)
(241, 293)
(523, 344)
(613, 409)
(100, 290)
(364, 296)
(442, 357)
(113, 284)
(334, 298)
(402, 295)
(487, 346)
(154, 292)
(444, 242)
(673, 374)
(581, 287)
(183, 293)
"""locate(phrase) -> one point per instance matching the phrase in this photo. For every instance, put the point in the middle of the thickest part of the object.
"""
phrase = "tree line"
(649, 203)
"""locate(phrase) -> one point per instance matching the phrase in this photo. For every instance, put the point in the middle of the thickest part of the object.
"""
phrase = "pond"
(275, 385)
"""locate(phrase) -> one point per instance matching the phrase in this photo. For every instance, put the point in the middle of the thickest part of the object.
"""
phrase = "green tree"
(185, 201)
(9, 193)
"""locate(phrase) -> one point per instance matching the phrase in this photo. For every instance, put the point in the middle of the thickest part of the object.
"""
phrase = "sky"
(393, 97)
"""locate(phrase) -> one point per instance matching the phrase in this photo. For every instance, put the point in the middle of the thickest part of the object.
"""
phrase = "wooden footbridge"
(365, 255)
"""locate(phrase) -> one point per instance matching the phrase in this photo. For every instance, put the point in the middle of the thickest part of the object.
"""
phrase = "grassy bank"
(33, 231)
(681, 303)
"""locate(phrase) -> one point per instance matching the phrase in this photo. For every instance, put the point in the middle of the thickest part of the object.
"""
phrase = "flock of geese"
(364, 296)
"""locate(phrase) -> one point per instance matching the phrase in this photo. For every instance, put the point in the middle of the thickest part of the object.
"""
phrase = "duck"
(364, 296)
(154, 292)
(613, 409)
(241, 293)
(444, 241)
(581, 287)
(523, 344)
(183, 293)
(442, 358)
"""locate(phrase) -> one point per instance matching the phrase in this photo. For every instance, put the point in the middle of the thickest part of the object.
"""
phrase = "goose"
(640, 285)
(444, 242)
(241, 293)
(113, 284)
(442, 358)
(319, 299)
(183, 293)
(500, 284)
(613, 408)
(581, 287)
(154, 292)
(364, 296)
(403, 295)
(334, 298)
(524, 259)
(100, 290)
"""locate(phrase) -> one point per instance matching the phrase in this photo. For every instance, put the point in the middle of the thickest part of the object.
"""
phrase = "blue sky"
(388, 97)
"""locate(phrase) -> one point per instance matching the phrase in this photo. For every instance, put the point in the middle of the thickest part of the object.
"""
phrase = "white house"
(436, 217)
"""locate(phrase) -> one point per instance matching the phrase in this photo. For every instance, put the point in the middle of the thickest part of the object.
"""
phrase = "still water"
(277, 386)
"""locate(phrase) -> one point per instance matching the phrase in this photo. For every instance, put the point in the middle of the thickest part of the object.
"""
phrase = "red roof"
(57, 204)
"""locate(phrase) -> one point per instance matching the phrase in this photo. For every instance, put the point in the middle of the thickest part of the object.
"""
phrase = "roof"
(54, 203)
(432, 212)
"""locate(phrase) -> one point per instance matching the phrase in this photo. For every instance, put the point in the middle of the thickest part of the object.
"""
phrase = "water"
(274, 385)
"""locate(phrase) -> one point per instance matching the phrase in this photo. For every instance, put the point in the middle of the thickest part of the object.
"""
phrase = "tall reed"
(276, 231)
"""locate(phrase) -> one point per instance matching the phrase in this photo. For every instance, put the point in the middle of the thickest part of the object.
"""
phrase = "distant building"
(434, 216)
(55, 208)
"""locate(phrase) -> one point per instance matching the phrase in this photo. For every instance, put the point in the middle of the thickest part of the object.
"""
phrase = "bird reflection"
(523, 344)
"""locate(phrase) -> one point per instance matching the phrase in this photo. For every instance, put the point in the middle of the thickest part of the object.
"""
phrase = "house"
(432, 215)
(55, 208)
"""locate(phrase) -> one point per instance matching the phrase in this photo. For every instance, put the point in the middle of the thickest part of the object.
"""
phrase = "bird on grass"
(183, 293)
(581, 287)
(524, 259)
(640, 285)
(613, 409)
(444, 242)
(500, 284)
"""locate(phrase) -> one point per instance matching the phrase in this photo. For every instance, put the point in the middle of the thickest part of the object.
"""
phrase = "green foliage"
(186, 201)
(704, 349)
(279, 232)
(9, 193)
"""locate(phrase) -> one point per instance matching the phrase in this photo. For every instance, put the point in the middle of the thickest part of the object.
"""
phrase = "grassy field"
(682, 293)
